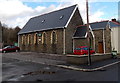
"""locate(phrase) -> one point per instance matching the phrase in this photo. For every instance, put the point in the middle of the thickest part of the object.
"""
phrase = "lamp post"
(88, 34)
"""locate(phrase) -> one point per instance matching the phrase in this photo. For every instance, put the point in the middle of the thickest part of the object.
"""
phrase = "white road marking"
(95, 69)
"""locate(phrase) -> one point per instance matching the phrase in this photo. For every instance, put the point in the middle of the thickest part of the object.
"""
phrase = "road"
(18, 70)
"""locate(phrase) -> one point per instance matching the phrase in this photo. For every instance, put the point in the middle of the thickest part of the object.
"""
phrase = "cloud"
(68, 0)
(15, 13)
(97, 16)
(93, 16)
(12, 10)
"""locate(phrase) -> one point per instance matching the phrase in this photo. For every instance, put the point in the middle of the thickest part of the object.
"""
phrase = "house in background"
(1, 35)
(52, 32)
(80, 37)
(102, 39)
(106, 36)
(115, 35)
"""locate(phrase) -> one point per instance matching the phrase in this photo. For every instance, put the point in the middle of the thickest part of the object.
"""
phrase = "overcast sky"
(17, 12)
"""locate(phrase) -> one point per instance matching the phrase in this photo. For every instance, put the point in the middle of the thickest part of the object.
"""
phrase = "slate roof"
(99, 25)
(80, 32)
(103, 24)
(53, 20)
(114, 24)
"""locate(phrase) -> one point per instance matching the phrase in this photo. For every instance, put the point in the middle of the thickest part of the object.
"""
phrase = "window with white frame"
(44, 38)
(23, 40)
(35, 38)
(29, 38)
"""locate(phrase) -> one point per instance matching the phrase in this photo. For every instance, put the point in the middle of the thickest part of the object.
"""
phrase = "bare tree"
(10, 35)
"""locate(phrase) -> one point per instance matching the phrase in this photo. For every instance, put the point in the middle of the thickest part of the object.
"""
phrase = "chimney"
(114, 20)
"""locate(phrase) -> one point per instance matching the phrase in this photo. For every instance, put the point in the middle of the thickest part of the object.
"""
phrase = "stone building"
(52, 32)
(106, 36)
(115, 35)
(63, 30)
(102, 35)
(80, 37)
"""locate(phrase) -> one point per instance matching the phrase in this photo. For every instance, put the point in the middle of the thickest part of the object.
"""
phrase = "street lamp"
(88, 34)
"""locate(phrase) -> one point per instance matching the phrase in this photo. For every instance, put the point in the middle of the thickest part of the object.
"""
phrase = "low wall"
(82, 59)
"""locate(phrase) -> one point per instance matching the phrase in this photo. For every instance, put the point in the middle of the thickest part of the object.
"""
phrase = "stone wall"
(99, 38)
(83, 59)
(108, 47)
(58, 47)
(70, 30)
(84, 42)
(44, 48)
(80, 42)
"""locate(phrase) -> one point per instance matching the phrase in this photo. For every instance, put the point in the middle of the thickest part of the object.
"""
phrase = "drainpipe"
(94, 42)
(64, 41)
(104, 40)
(73, 45)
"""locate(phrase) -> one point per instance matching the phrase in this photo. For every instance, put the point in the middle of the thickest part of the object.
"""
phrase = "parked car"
(83, 50)
(10, 48)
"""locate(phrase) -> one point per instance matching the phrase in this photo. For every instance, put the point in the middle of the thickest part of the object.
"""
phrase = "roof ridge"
(100, 21)
(34, 22)
(115, 22)
(55, 11)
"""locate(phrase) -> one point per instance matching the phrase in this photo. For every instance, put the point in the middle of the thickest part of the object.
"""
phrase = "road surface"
(18, 70)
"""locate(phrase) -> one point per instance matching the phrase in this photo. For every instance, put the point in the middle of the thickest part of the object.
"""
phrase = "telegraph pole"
(88, 34)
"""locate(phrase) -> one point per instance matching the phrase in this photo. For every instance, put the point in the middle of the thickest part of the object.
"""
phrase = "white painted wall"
(119, 40)
(115, 38)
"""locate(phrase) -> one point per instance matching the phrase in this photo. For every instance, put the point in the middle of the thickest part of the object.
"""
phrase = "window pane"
(54, 38)
(44, 38)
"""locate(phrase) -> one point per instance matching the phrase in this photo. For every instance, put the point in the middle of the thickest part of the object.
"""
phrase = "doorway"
(100, 47)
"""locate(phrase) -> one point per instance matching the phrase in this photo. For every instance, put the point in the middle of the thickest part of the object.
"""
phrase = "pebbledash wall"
(45, 42)
(115, 42)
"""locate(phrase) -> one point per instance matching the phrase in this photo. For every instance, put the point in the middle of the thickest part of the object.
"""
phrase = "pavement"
(60, 61)
(14, 70)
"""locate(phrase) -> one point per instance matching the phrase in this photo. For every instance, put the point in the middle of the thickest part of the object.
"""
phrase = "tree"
(10, 35)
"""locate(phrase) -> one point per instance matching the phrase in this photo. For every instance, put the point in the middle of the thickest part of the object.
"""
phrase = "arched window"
(29, 39)
(35, 38)
(44, 37)
(23, 39)
(53, 37)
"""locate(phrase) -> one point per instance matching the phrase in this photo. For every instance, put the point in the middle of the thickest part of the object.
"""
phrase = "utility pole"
(88, 33)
